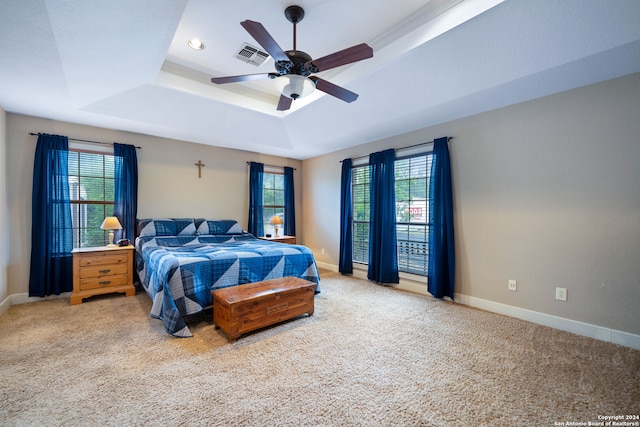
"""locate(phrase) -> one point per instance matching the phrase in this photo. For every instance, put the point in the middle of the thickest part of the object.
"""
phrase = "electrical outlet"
(513, 285)
(561, 294)
(322, 251)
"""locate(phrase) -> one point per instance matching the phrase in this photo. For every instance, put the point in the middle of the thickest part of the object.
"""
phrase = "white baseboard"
(585, 329)
(4, 305)
(581, 328)
(325, 266)
(23, 298)
(405, 284)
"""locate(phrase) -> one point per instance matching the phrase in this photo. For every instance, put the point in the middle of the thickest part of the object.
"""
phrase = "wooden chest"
(245, 308)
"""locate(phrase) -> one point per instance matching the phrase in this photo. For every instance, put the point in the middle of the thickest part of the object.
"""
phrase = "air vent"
(251, 54)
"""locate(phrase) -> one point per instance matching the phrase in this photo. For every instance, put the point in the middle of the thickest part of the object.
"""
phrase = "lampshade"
(294, 86)
(275, 220)
(111, 223)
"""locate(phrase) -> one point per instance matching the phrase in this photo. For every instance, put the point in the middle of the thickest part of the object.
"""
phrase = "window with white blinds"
(92, 191)
(360, 179)
(273, 201)
(412, 212)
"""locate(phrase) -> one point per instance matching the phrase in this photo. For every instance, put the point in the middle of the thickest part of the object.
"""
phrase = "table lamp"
(275, 221)
(111, 223)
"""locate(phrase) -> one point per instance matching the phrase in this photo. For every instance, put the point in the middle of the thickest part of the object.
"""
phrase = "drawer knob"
(105, 271)
(105, 282)
(88, 262)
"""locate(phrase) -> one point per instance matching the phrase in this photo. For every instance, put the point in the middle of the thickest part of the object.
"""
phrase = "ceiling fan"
(294, 67)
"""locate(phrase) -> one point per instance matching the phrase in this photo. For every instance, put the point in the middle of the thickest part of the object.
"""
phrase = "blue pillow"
(223, 226)
(184, 226)
(157, 227)
(151, 227)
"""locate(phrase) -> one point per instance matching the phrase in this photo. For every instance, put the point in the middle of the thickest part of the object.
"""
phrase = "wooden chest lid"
(259, 289)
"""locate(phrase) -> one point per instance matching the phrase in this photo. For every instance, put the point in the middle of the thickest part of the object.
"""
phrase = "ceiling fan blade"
(334, 90)
(284, 103)
(243, 78)
(342, 57)
(262, 36)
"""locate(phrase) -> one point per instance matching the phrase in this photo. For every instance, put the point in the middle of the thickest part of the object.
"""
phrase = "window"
(412, 205)
(273, 200)
(360, 179)
(412, 213)
(91, 190)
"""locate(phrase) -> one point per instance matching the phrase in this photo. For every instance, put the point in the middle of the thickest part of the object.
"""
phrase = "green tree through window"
(91, 189)
(273, 201)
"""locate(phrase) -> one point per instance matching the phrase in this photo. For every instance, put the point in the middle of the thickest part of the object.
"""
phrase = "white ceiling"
(125, 64)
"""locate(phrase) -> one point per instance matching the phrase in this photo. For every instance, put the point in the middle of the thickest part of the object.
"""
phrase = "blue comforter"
(179, 273)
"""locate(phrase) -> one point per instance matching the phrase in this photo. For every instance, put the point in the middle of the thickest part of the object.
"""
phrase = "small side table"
(102, 270)
(281, 239)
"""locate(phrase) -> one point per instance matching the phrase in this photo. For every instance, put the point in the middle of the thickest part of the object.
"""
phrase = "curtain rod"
(86, 140)
(449, 138)
(274, 166)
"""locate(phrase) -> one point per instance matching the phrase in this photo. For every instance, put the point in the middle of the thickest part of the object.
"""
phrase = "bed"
(181, 260)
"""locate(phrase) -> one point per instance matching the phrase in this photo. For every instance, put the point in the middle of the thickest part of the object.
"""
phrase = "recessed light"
(196, 44)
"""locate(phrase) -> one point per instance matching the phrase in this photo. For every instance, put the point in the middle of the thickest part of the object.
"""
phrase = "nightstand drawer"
(103, 270)
(86, 261)
(104, 282)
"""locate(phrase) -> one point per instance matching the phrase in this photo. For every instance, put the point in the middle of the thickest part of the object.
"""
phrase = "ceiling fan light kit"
(294, 67)
(294, 86)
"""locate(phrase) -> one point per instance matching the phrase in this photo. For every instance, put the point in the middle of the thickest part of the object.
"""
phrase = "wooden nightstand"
(282, 239)
(102, 270)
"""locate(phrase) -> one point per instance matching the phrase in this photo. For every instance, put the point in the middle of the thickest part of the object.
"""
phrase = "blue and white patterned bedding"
(179, 269)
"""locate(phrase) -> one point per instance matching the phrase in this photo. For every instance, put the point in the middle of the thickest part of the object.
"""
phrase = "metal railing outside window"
(412, 213)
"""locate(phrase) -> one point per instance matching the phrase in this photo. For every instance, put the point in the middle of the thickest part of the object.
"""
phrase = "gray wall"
(4, 213)
(168, 181)
(546, 192)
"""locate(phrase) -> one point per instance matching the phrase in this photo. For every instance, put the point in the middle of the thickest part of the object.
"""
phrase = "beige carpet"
(369, 356)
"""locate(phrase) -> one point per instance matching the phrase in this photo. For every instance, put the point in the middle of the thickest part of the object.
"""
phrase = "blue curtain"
(383, 256)
(289, 203)
(51, 271)
(256, 175)
(346, 220)
(125, 206)
(442, 256)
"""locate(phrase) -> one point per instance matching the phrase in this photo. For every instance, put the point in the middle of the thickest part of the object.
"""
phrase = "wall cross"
(199, 165)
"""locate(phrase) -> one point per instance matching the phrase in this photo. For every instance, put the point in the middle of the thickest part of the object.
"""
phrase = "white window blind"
(92, 191)
(412, 212)
(273, 201)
